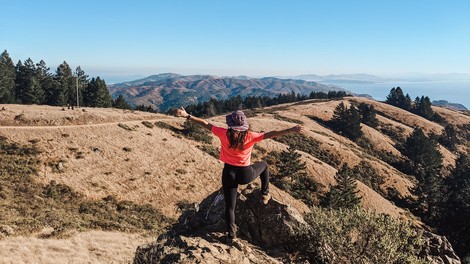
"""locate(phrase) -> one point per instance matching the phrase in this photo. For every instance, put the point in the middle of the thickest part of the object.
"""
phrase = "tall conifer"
(7, 79)
(345, 193)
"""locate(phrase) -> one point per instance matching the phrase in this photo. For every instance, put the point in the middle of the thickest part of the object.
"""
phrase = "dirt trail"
(85, 125)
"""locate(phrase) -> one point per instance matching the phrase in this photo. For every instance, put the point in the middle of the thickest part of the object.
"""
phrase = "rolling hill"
(169, 90)
(105, 156)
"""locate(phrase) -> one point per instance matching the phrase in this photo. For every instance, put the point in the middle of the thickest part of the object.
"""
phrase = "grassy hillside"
(64, 170)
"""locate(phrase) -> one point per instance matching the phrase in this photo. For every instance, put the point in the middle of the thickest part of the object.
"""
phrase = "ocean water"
(452, 91)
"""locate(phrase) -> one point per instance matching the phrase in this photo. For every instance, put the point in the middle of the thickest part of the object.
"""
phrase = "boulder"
(203, 249)
(266, 234)
(438, 250)
(265, 231)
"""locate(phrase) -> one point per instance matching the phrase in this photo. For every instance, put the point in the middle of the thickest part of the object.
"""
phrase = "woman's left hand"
(297, 129)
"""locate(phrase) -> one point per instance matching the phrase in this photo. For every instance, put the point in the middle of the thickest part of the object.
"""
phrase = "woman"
(236, 145)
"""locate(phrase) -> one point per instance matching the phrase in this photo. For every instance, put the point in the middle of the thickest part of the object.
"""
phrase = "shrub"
(310, 146)
(147, 124)
(356, 236)
(196, 132)
(164, 125)
(287, 119)
(369, 176)
(126, 127)
(209, 149)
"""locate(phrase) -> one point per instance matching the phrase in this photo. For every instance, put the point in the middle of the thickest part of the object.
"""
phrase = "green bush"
(196, 132)
(366, 173)
(310, 146)
(147, 124)
(126, 127)
(356, 236)
(287, 119)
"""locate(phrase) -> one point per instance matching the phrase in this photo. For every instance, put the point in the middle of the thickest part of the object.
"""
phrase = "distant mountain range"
(169, 90)
(369, 78)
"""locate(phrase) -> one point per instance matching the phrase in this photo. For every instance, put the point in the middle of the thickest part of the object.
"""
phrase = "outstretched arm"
(273, 134)
(182, 113)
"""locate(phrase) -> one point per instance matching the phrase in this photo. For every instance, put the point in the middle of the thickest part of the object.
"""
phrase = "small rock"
(60, 167)
(6, 230)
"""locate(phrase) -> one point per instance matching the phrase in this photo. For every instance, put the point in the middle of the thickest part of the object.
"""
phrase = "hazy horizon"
(230, 38)
(120, 40)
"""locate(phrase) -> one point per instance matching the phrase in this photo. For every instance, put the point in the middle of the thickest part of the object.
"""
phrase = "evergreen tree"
(82, 83)
(47, 82)
(449, 137)
(7, 79)
(396, 98)
(426, 163)
(345, 193)
(423, 107)
(28, 87)
(368, 115)
(347, 121)
(289, 165)
(292, 177)
(121, 103)
(422, 152)
(456, 224)
(64, 93)
(97, 94)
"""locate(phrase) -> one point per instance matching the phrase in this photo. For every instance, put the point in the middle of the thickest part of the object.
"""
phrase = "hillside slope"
(142, 158)
(165, 91)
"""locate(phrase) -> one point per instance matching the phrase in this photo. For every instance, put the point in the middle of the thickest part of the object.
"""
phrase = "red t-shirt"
(232, 156)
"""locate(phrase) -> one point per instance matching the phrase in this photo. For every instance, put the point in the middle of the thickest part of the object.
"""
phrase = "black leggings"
(232, 176)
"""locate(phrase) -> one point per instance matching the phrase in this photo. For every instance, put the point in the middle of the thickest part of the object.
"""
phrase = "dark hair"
(236, 138)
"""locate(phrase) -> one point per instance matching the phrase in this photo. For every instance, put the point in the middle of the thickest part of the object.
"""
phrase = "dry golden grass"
(154, 165)
(87, 247)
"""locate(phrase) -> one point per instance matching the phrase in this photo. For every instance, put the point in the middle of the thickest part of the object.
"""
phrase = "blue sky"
(242, 37)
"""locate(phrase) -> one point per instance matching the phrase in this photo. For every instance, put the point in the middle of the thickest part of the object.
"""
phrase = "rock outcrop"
(199, 236)
(438, 250)
(266, 235)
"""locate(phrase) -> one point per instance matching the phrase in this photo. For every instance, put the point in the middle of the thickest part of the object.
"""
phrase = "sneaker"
(265, 198)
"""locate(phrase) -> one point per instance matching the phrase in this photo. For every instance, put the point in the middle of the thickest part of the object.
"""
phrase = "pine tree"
(456, 224)
(345, 193)
(449, 138)
(47, 83)
(96, 94)
(368, 115)
(292, 177)
(7, 79)
(396, 98)
(28, 88)
(423, 107)
(121, 103)
(82, 83)
(64, 93)
(347, 121)
(426, 163)
(422, 152)
(290, 164)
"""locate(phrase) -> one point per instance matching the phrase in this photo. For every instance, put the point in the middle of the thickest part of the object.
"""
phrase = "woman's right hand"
(181, 112)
